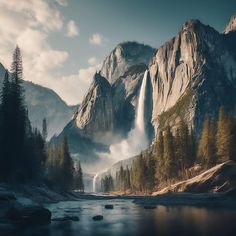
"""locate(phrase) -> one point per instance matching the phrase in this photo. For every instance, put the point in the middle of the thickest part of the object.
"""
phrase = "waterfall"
(94, 182)
(139, 122)
(136, 140)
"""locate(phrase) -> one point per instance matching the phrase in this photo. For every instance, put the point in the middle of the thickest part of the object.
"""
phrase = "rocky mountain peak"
(198, 28)
(191, 24)
(96, 106)
(100, 81)
(123, 57)
(231, 25)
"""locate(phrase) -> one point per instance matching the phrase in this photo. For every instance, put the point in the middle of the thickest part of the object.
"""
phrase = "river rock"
(98, 217)
(109, 206)
(66, 218)
(7, 196)
(149, 207)
(30, 215)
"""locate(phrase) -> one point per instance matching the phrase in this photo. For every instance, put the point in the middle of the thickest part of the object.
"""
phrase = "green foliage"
(22, 150)
(169, 155)
(44, 129)
(23, 156)
(207, 143)
(78, 178)
(107, 184)
(226, 136)
(60, 169)
(165, 160)
(160, 171)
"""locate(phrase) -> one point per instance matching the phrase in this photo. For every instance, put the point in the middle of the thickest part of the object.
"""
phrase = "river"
(128, 218)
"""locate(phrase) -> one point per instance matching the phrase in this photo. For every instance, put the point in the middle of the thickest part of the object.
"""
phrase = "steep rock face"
(123, 57)
(109, 107)
(191, 75)
(125, 97)
(43, 103)
(231, 25)
(95, 115)
(108, 110)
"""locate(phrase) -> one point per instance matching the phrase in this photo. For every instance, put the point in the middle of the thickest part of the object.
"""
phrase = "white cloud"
(38, 13)
(30, 24)
(50, 59)
(97, 39)
(72, 29)
(63, 3)
(92, 61)
(73, 87)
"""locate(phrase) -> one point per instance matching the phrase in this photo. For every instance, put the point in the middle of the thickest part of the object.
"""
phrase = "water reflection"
(129, 219)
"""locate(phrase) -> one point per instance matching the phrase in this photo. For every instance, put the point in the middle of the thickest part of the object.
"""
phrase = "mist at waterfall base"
(137, 139)
(133, 144)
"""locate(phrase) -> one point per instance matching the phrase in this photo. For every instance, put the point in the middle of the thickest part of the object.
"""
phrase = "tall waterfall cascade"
(137, 139)
(140, 117)
(94, 182)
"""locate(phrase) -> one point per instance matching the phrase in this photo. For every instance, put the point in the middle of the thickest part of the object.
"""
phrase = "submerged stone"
(66, 218)
(30, 215)
(98, 217)
(149, 207)
(109, 206)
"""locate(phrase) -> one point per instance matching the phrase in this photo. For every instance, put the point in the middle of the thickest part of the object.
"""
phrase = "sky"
(64, 42)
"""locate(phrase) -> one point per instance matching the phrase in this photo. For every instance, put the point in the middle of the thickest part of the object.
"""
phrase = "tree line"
(25, 156)
(175, 151)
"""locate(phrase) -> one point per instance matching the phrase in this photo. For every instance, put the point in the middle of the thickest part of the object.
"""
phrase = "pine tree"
(59, 165)
(151, 170)
(225, 137)
(14, 123)
(44, 129)
(192, 147)
(182, 146)
(160, 161)
(19, 119)
(139, 173)
(66, 165)
(78, 177)
(168, 156)
(5, 135)
(206, 148)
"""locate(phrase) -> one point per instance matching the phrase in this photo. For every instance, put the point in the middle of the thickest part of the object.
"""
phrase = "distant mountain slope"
(44, 103)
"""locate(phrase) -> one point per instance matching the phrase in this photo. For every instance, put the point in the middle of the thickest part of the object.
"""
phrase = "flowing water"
(136, 140)
(139, 122)
(130, 219)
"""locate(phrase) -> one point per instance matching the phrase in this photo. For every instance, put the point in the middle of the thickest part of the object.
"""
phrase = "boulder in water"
(109, 206)
(66, 218)
(30, 215)
(98, 217)
(149, 207)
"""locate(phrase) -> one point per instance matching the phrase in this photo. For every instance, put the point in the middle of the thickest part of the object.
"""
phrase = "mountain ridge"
(190, 75)
(43, 103)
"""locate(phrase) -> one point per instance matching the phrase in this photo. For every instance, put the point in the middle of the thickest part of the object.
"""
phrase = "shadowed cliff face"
(95, 115)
